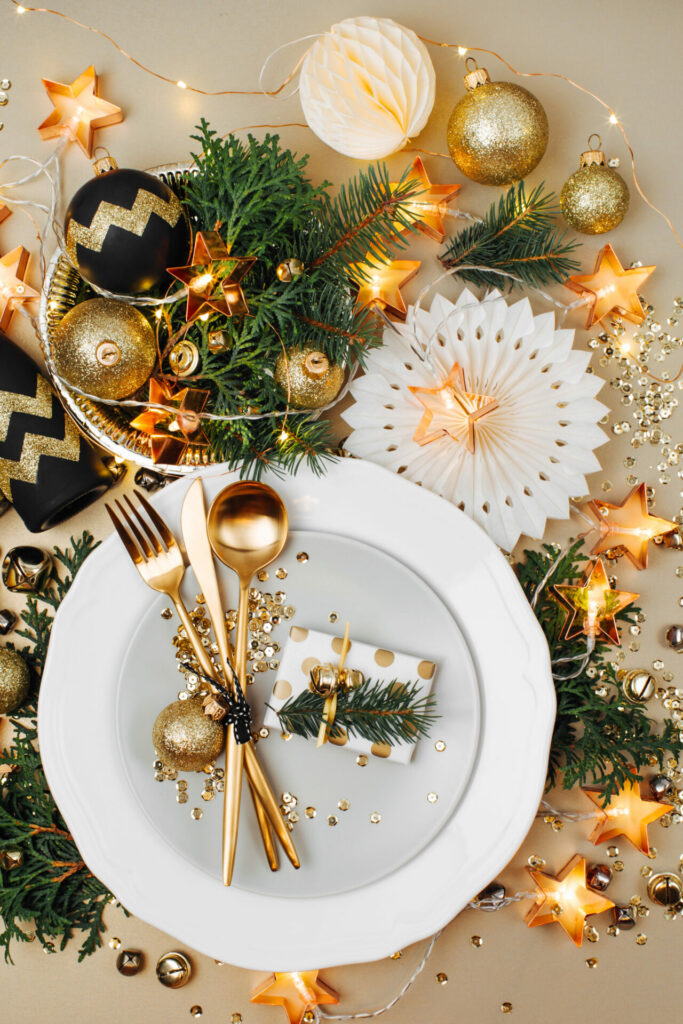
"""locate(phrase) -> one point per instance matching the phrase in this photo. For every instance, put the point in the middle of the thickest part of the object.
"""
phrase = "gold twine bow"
(328, 681)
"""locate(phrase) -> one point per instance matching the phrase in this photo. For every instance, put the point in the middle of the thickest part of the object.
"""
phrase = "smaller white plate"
(387, 605)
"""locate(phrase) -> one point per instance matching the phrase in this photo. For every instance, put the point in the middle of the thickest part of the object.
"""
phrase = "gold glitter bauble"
(308, 377)
(104, 347)
(14, 681)
(185, 738)
(595, 198)
(497, 132)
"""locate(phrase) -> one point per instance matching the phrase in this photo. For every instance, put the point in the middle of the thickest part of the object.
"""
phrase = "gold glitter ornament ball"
(497, 132)
(185, 738)
(14, 681)
(104, 347)
(595, 198)
(309, 377)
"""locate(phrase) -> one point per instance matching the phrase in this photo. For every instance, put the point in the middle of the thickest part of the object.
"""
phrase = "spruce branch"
(517, 236)
(377, 711)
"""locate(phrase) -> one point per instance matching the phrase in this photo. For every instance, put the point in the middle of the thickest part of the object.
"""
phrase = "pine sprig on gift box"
(517, 236)
(50, 893)
(598, 736)
(378, 712)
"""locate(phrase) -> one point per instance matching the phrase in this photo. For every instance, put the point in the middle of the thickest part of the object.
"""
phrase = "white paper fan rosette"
(531, 453)
(367, 86)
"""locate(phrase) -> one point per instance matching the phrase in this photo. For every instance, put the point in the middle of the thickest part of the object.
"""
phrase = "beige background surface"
(626, 51)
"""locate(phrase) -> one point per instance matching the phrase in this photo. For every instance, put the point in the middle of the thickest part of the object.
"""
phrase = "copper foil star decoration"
(611, 289)
(79, 110)
(592, 605)
(170, 434)
(13, 287)
(566, 899)
(382, 286)
(627, 527)
(213, 278)
(4, 212)
(425, 209)
(298, 991)
(451, 409)
(626, 814)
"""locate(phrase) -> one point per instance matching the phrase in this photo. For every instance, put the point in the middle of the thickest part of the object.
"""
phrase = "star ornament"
(213, 278)
(78, 110)
(626, 814)
(611, 289)
(169, 435)
(592, 605)
(451, 410)
(13, 288)
(381, 285)
(4, 212)
(627, 527)
(298, 991)
(566, 899)
(425, 210)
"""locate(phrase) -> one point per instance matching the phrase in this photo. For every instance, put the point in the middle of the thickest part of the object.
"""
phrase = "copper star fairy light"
(78, 110)
(627, 527)
(298, 992)
(13, 288)
(565, 899)
(592, 605)
(450, 409)
(611, 288)
(380, 285)
(626, 814)
(213, 278)
(427, 207)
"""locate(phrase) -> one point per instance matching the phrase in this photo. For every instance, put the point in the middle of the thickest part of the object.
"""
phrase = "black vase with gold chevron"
(47, 468)
(123, 228)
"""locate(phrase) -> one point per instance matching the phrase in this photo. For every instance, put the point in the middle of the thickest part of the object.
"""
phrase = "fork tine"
(147, 552)
(154, 540)
(125, 538)
(161, 526)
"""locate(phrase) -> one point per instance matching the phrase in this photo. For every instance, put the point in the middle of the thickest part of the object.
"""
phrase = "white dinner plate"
(411, 573)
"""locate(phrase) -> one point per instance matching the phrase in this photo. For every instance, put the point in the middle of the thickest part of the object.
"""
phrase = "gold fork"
(162, 568)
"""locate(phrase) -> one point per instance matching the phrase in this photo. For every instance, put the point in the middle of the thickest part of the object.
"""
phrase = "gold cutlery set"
(246, 529)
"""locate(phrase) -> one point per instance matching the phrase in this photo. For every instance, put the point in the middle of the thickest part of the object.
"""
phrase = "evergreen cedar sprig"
(52, 893)
(517, 236)
(596, 739)
(378, 712)
(257, 196)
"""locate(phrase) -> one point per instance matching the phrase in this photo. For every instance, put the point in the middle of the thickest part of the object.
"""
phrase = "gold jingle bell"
(219, 341)
(11, 859)
(638, 686)
(130, 962)
(665, 888)
(174, 969)
(289, 269)
(183, 358)
(26, 569)
(327, 680)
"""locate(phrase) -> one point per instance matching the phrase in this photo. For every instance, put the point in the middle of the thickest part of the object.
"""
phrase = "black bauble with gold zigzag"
(123, 228)
(47, 469)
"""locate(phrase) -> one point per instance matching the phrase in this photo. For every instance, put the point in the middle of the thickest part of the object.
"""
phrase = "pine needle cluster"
(51, 894)
(518, 236)
(598, 736)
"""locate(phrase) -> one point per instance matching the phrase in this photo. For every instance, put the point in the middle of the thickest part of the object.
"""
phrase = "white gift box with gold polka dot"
(307, 648)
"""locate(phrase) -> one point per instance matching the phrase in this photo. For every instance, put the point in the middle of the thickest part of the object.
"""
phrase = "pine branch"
(517, 236)
(598, 736)
(378, 712)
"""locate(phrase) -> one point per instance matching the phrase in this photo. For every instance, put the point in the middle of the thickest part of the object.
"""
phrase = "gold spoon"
(247, 526)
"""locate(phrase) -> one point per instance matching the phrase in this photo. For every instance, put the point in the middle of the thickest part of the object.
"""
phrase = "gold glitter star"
(613, 289)
(627, 527)
(78, 110)
(384, 285)
(298, 991)
(426, 208)
(626, 814)
(451, 410)
(566, 899)
(213, 278)
(13, 287)
(592, 605)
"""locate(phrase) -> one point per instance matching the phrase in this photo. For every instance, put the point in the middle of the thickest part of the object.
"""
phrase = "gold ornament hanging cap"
(593, 156)
(475, 76)
(316, 364)
(104, 164)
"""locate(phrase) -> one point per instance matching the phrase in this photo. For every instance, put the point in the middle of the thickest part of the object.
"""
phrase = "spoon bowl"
(247, 526)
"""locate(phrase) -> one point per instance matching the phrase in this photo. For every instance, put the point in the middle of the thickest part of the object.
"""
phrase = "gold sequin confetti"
(440, 745)
(506, 1007)
(308, 1017)
(332, 819)
(281, 574)
(432, 797)
(196, 813)
(114, 943)
(166, 613)
(302, 557)
(535, 861)
(618, 865)
(375, 818)
(311, 812)
(397, 955)
(343, 805)
(287, 798)
(362, 760)
(592, 961)
(196, 1011)
(236, 1018)
(641, 939)
(476, 941)
(612, 930)
(181, 797)
(612, 851)
(333, 616)
(442, 978)
(264, 732)
(591, 933)
(208, 794)
(262, 575)
(285, 736)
